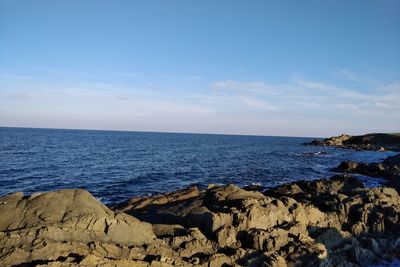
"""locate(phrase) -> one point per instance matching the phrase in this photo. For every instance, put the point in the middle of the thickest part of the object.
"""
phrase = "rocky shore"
(332, 222)
(375, 141)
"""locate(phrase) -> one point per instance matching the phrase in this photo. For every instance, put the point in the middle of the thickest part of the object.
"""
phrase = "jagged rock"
(299, 221)
(333, 222)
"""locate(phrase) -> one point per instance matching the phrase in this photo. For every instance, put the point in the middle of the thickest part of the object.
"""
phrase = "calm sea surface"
(115, 165)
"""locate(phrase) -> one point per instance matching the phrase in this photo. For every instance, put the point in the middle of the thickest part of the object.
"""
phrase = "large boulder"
(69, 225)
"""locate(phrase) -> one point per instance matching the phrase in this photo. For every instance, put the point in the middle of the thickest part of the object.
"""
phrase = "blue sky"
(296, 68)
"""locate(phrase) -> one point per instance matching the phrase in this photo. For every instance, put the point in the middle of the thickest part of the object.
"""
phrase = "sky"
(291, 68)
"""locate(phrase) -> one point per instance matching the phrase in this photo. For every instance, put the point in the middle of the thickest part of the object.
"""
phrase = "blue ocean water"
(115, 166)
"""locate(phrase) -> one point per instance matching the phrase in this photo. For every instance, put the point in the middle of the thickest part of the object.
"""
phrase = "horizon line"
(165, 132)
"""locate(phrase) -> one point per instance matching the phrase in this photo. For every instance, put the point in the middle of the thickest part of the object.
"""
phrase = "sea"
(117, 165)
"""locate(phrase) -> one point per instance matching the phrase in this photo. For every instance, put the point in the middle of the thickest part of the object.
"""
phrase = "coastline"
(328, 222)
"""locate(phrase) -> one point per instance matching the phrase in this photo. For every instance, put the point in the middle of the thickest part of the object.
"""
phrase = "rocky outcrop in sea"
(389, 169)
(375, 141)
(332, 222)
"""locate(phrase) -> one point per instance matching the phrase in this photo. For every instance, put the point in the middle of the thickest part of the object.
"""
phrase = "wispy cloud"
(333, 91)
(311, 95)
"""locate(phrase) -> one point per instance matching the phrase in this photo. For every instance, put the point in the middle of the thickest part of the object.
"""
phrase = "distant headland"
(373, 141)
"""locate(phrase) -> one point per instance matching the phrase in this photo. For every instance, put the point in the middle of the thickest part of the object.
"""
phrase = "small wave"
(318, 153)
(311, 154)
